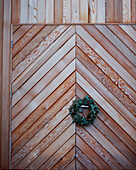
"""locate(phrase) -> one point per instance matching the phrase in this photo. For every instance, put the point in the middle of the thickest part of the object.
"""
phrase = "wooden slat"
(106, 56)
(32, 17)
(72, 165)
(85, 160)
(43, 83)
(24, 11)
(105, 80)
(6, 65)
(39, 74)
(40, 98)
(102, 152)
(49, 11)
(53, 147)
(91, 154)
(55, 33)
(83, 6)
(80, 166)
(133, 11)
(23, 160)
(41, 13)
(62, 151)
(100, 8)
(40, 60)
(106, 69)
(118, 11)
(75, 11)
(116, 53)
(126, 11)
(58, 11)
(109, 109)
(1, 54)
(92, 11)
(66, 160)
(23, 41)
(66, 11)
(109, 11)
(15, 11)
(42, 117)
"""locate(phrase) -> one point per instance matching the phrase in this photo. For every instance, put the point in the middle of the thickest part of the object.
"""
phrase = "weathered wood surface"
(66, 62)
(73, 11)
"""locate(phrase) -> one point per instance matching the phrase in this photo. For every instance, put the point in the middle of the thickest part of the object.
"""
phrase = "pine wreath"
(76, 111)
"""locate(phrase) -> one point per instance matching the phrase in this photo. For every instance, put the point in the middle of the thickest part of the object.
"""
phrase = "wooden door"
(53, 65)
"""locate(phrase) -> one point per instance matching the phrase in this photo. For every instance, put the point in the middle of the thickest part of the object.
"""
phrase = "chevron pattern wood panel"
(53, 65)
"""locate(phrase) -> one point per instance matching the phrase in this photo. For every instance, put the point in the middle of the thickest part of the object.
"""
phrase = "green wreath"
(75, 111)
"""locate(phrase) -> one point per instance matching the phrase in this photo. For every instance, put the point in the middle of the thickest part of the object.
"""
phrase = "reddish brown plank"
(133, 11)
(65, 160)
(118, 8)
(109, 11)
(58, 11)
(15, 11)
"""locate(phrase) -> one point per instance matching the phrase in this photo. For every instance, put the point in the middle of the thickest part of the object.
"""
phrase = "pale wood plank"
(92, 11)
(106, 106)
(101, 151)
(25, 159)
(107, 44)
(6, 64)
(85, 160)
(15, 11)
(42, 95)
(75, 11)
(43, 70)
(133, 11)
(56, 70)
(20, 32)
(24, 11)
(111, 123)
(109, 11)
(83, 13)
(58, 11)
(53, 147)
(130, 31)
(32, 13)
(126, 11)
(66, 11)
(53, 33)
(41, 59)
(91, 154)
(66, 160)
(49, 11)
(108, 146)
(59, 154)
(41, 13)
(100, 9)
(106, 56)
(120, 83)
(62, 96)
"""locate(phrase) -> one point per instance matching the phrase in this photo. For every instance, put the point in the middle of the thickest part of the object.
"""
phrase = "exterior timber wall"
(27, 13)
(73, 11)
